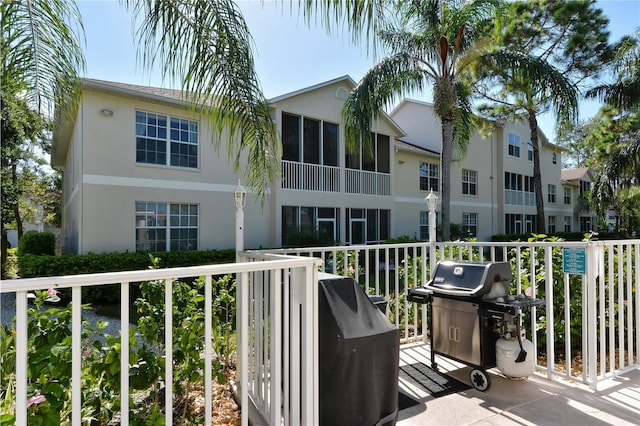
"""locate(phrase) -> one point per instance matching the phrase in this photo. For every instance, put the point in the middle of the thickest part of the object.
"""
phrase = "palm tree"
(41, 59)
(624, 93)
(567, 42)
(622, 171)
(431, 42)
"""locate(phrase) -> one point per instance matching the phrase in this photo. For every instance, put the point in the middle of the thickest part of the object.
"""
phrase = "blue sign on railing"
(574, 260)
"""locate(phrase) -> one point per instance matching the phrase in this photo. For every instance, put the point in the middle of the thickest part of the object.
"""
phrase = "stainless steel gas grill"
(471, 309)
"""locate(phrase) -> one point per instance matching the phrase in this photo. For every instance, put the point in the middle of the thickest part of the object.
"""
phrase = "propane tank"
(508, 352)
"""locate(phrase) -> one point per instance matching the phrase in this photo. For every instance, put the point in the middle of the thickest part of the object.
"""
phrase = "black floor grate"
(434, 382)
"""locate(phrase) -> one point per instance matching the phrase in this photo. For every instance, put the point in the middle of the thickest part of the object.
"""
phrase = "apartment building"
(140, 173)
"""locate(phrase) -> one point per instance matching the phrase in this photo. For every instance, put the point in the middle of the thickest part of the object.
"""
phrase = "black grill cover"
(358, 355)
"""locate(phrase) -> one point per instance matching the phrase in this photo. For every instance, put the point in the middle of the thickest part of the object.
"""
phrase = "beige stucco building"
(140, 173)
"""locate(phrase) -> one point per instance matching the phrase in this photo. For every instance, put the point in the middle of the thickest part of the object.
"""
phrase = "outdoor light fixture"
(240, 196)
(239, 199)
(432, 201)
(106, 112)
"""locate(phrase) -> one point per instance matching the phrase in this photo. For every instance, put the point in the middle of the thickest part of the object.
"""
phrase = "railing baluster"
(168, 345)
(208, 347)
(124, 353)
(21, 357)
(76, 355)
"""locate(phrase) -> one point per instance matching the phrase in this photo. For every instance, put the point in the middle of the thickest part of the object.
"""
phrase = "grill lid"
(473, 280)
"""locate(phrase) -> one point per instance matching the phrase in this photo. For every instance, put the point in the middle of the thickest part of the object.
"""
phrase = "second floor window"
(567, 196)
(429, 176)
(375, 158)
(551, 193)
(166, 141)
(469, 182)
(530, 151)
(309, 141)
(514, 145)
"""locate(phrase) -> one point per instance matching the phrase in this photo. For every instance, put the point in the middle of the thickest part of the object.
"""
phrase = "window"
(155, 134)
(529, 191)
(513, 223)
(155, 233)
(514, 145)
(554, 158)
(530, 151)
(514, 184)
(429, 177)
(567, 196)
(584, 187)
(424, 225)
(367, 226)
(470, 224)
(551, 193)
(551, 224)
(531, 223)
(585, 224)
(375, 158)
(469, 182)
(299, 223)
(315, 141)
(567, 224)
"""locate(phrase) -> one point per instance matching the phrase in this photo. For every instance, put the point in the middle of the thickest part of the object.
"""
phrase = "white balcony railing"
(273, 349)
(591, 314)
(596, 312)
(310, 177)
(367, 183)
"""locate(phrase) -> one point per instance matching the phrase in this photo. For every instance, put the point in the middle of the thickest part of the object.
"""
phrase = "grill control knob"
(511, 298)
(500, 299)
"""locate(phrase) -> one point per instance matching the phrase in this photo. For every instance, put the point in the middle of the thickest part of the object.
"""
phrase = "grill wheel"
(480, 379)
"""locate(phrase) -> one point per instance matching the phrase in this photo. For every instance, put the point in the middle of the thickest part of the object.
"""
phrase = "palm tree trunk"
(445, 178)
(537, 177)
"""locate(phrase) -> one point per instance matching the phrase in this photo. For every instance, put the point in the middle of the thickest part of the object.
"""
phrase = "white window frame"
(177, 133)
(431, 172)
(551, 193)
(514, 145)
(470, 223)
(470, 182)
(567, 196)
(171, 218)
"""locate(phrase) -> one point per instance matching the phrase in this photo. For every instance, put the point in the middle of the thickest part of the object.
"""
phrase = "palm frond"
(381, 85)
(42, 53)
(538, 77)
(363, 18)
(207, 48)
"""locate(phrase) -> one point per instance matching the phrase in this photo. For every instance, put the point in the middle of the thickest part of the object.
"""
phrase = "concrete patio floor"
(535, 401)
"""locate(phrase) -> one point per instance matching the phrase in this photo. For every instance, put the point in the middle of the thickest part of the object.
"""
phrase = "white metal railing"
(591, 316)
(367, 183)
(265, 289)
(310, 177)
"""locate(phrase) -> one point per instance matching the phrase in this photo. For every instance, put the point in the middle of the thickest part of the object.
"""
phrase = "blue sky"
(289, 54)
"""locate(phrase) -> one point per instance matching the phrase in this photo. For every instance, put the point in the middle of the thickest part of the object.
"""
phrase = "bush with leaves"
(49, 360)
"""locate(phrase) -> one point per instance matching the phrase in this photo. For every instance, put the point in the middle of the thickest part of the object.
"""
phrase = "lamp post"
(432, 203)
(239, 198)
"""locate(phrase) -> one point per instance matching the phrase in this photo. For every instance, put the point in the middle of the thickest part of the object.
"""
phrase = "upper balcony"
(315, 177)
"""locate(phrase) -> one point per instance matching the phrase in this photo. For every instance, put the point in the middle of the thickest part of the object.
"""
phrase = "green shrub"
(31, 266)
(37, 243)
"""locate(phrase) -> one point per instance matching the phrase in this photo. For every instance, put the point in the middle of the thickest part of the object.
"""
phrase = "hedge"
(30, 266)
